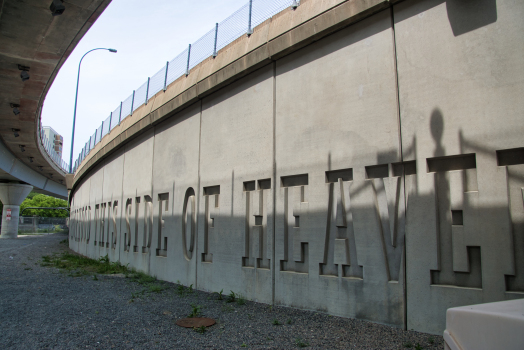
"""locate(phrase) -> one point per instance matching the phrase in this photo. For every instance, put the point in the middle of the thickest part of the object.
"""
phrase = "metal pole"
(165, 78)
(76, 102)
(147, 89)
(249, 30)
(102, 130)
(120, 116)
(188, 56)
(216, 36)
(132, 103)
(110, 121)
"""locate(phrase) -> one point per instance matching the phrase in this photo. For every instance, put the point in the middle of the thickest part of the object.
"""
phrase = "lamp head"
(112, 50)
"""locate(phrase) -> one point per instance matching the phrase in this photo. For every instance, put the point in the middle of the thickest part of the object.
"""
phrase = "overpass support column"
(11, 196)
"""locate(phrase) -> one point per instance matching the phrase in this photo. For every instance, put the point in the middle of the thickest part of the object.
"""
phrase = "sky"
(146, 35)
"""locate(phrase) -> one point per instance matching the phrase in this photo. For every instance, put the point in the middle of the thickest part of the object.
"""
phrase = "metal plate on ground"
(195, 322)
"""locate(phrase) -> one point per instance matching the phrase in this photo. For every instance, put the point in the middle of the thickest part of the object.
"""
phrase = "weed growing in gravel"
(240, 299)
(300, 343)
(220, 296)
(431, 340)
(183, 291)
(82, 265)
(418, 347)
(408, 345)
(65, 241)
(196, 311)
(140, 277)
(95, 278)
(231, 298)
(244, 345)
(276, 322)
(201, 329)
(289, 321)
(28, 268)
(156, 288)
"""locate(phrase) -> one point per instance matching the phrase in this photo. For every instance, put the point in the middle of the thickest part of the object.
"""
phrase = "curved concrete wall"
(376, 173)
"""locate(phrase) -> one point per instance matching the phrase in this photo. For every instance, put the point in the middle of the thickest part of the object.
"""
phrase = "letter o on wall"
(188, 223)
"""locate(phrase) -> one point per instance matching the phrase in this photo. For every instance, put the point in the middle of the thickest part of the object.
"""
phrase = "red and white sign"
(8, 214)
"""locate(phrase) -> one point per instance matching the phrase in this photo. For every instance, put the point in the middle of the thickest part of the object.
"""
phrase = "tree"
(41, 200)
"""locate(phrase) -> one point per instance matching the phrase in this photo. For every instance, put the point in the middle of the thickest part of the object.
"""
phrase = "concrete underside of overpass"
(31, 37)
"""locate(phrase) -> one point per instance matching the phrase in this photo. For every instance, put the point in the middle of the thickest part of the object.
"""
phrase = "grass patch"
(300, 343)
(140, 277)
(156, 288)
(80, 265)
(276, 322)
(183, 291)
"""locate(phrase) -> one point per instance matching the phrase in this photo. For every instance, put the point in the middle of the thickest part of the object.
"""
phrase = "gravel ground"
(41, 308)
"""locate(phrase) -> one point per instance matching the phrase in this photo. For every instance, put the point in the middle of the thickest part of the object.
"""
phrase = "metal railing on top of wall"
(239, 23)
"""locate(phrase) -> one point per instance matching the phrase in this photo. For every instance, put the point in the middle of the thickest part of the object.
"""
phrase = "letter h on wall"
(256, 244)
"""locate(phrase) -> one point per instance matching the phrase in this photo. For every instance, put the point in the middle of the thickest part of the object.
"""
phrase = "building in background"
(56, 139)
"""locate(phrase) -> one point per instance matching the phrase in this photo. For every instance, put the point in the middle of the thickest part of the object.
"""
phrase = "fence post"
(96, 131)
(110, 119)
(132, 103)
(165, 78)
(249, 29)
(216, 36)
(188, 56)
(120, 116)
(102, 131)
(147, 90)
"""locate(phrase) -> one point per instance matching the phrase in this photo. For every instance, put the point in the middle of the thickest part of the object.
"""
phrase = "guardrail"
(239, 23)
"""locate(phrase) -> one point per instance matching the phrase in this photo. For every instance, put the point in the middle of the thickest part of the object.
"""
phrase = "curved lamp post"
(76, 99)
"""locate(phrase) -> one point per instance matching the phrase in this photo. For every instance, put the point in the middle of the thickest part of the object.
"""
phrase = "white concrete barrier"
(486, 326)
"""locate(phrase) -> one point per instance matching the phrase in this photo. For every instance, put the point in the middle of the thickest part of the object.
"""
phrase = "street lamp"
(76, 99)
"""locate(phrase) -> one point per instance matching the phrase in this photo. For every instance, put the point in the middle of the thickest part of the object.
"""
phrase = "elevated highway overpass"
(37, 43)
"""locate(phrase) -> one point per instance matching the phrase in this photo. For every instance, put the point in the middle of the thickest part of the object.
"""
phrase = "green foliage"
(201, 329)
(240, 299)
(418, 347)
(300, 343)
(141, 278)
(431, 340)
(41, 200)
(220, 296)
(408, 345)
(156, 288)
(231, 298)
(276, 322)
(183, 291)
(196, 311)
(79, 265)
